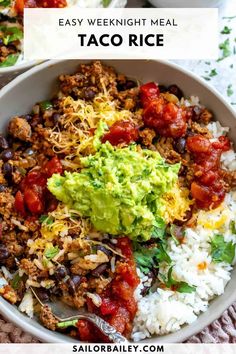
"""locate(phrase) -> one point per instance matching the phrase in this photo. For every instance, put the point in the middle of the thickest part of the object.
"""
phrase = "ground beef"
(47, 318)
(229, 178)
(20, 128)
(205, 117)
(29, 268)
(198, 129)
(6, 204)
(165, 148)
(147, 135)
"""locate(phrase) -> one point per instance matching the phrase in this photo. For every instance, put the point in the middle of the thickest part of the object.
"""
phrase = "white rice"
(165, 311)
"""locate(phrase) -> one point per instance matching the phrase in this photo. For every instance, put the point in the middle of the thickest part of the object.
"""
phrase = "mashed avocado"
(120, 190)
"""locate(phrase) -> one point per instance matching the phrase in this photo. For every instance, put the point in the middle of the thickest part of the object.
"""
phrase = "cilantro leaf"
(5, 3)
(16, 281)
(232, 227)
(159, 228)
(45, 219)
(51, 252)
(106, 3)
(230, 91)
(10, 61)
(226, 51)
(179, 286)
(149, 257)
(226, 30)
(213, 73)
(222, 251)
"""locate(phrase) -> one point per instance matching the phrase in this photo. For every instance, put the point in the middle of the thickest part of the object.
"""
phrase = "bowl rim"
(19, 319)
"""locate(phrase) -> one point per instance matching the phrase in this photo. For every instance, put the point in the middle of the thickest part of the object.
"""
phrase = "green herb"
(228, 17)
(213, 73)
(149, 257)
(16, 281)
(45, 105)
(222, 251)
(226, 30)
(206, 78)
(179, 286)
(45, 219)
(230, 91)
(226, 51)
(51, 252)
(232, 227)
(106, 3)
(207, 62)
(10, 61)
(11, 34)
(5, 3)
(66, 324)
(159, 228)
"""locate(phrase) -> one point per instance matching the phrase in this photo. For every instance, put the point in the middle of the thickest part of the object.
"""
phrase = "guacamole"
(120, 190)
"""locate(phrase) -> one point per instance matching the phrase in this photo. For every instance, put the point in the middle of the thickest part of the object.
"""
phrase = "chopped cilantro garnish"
(213, 73)
(206, 78)
(222, 251)
(149, 257)
(226, 30)
(16, 281)
(230, 91)
(51, 252)
(45, 219)
(5, 3)
(229, 17)
(105, 3)
(179, 286)
(232, 227)
(10, 61)
(226, 51)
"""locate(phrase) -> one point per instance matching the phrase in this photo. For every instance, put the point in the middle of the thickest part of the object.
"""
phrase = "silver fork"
(64, 313)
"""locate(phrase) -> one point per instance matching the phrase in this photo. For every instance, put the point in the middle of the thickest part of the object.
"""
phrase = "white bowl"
(40, 82)
(187, 3)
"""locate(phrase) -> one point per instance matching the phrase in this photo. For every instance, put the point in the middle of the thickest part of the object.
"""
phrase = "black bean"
(36, 120)
(130, 84)
(76, 280)
(127, 85)
(3, 142)
(180, 145)
(73, 283)
(162, 88)
(7, 154)
(56, 118)
(4, 253)
(89, 94)
(2, 188)
(7, 170)
(99, 270)
(175, 90)
(1, 41)
(27, 117)
(71, 286)
(104, 250)
(42, 294)
(60, 272)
